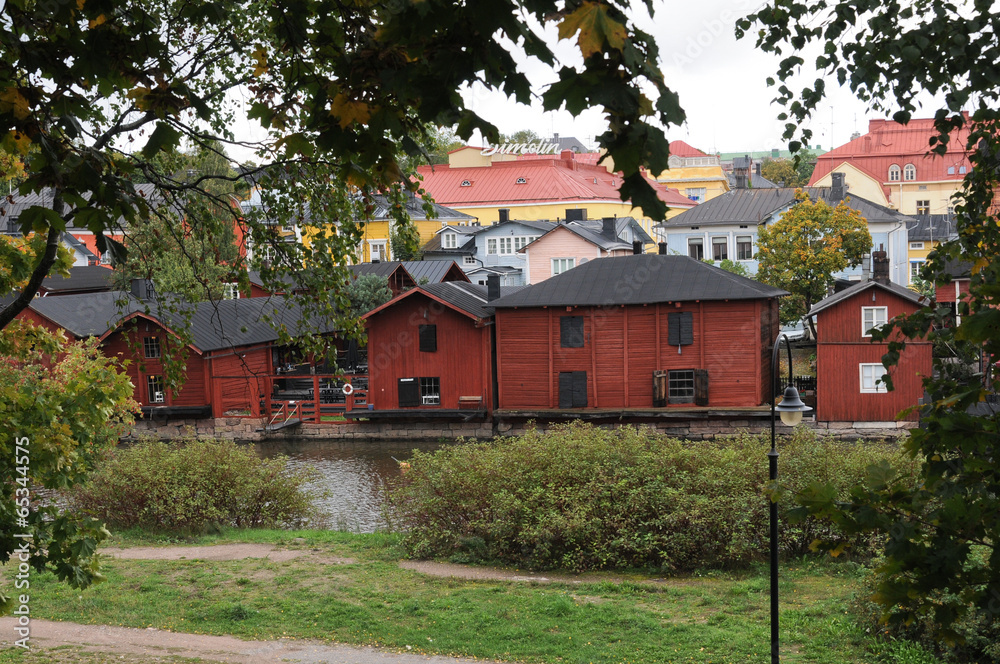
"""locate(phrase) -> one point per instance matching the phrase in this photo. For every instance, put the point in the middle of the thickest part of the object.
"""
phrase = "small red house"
(641, 331)
(429, 352)
(849, 363)
(227, 362)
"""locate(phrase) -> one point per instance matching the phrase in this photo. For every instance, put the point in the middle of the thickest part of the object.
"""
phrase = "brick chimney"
(662, 246)
(492, 287)
(880, 266)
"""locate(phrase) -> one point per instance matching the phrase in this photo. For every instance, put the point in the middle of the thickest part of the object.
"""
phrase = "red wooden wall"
(127, 343)
(462, 359)
(236, 378)
(946, 293)
(841, 348)
(623, 345)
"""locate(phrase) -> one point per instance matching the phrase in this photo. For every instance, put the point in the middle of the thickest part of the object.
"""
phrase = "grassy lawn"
(715, 617)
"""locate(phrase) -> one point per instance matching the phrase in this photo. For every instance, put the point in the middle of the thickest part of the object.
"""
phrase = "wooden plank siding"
(462, 361)
(623, 345)
(840, 351)
(237, 378)
(127, 343)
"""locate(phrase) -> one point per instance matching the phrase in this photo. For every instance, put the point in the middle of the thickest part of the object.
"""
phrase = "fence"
(280, 399)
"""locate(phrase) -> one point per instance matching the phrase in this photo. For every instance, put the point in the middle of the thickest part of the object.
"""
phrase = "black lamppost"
(791, 409)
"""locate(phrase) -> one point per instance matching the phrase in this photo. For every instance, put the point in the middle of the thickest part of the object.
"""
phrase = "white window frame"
(469, 260)
(696, 194)
(895, 173)
(491, 246)
(926, 206)
(744, 239)
(915, 266)
(909, 173)
(378, 246)
(917, 245)
(506, 245)
(720, 241)
(869, 383)
(696, 241)
(449, 241)
(560, 265)
(230, 291)
(866, 328)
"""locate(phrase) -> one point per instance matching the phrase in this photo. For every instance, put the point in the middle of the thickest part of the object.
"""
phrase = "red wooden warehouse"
(227, 362)
(429, 351)
(849, 363)
(639, 331)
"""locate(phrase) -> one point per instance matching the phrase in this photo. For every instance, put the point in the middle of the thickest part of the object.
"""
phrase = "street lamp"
(791, 409)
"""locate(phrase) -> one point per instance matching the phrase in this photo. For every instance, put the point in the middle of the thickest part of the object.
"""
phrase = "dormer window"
(521, 181)
(449, 240)
(466, 183)
(894, 173)
(909, 172)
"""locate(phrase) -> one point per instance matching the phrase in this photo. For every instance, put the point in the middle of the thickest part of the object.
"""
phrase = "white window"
(449, 240)
(894, 173)
(378, 250)
(696, 248)
(909, 172)
(915, 267)
(872, 317)
(468, 260)
(154, 389)
(521, 241)
(696, 194)
(916, 245)
(923, 207)
(506, 245)
(560, 265)
(151, 347)
(230, 291)
(720, 248)
(870, 375)
(491, 246)
(744, 248)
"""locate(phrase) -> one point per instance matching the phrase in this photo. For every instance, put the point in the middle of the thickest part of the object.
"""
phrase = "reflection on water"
(352, 474)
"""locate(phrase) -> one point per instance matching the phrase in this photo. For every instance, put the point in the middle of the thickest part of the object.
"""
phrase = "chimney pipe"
(662, 248)
(838, 190)
(142, 289)
(492, 287)
(636, 247)
(504, 214)
(608, 229)
(880, 267)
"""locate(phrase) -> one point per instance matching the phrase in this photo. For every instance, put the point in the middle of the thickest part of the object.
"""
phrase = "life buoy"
(347, 389)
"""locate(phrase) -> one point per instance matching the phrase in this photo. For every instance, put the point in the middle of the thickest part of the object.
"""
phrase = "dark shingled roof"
(860, 287)
(214, 325)
(752, 206)
(13, 208)
(435, 271)
(81, 278)
(641, 279)
(468, 297)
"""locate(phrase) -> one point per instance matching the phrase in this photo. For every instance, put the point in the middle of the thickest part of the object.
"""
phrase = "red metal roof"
(888, 143)
(533, 179)
(682, 149)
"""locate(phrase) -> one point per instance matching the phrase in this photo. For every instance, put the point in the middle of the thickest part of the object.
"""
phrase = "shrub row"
(580, 497)
(195, 485)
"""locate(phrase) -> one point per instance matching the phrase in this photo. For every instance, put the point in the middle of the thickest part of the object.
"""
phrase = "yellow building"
(696, 175)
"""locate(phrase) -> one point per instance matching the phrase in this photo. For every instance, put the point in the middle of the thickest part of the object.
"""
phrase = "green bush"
(193, 486)
(580, 497)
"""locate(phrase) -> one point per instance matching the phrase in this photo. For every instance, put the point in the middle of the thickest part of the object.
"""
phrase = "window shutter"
(571, 331)
(428, 338)
(565, 389)
(680, 328)
(701, 387)
(659, 389)
(409, 392)
(579, 389)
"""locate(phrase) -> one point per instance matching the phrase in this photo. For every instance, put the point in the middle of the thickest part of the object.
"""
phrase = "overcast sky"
(721, 83)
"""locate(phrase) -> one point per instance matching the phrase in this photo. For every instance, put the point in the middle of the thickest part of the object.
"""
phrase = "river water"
(353, 475)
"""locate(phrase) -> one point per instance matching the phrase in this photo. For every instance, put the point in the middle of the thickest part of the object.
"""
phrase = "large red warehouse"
(637, 331)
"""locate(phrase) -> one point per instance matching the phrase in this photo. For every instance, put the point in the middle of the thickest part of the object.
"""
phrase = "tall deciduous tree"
(803, 250)
(781, 172)
(942, 556)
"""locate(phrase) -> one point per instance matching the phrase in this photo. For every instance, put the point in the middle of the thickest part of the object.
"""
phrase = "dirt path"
(432, 568)
(159, 643)
(240, 551)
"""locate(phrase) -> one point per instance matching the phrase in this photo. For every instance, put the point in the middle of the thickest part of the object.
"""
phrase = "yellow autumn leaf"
(261, 59)
(98, 21)
(12, 100)
(596, 28)
(16, 140)
(349, 110)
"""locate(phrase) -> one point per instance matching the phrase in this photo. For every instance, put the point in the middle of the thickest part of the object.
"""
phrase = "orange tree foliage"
(803, 250)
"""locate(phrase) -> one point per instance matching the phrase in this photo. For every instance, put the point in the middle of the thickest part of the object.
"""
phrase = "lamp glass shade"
(791, 417)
